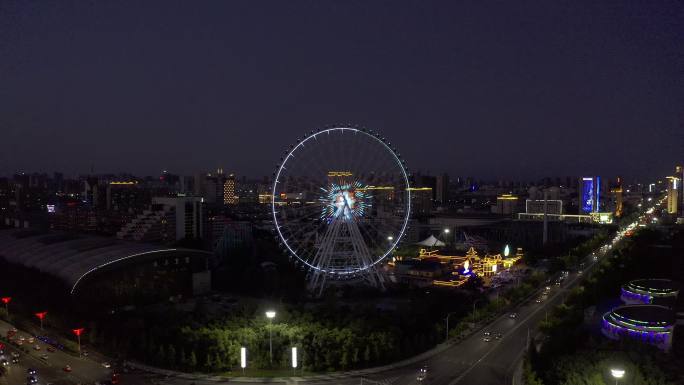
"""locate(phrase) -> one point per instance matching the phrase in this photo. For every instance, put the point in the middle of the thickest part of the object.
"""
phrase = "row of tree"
(572, 354)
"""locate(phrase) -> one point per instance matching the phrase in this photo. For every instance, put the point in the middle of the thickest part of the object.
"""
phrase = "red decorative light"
(6, 300)
(41, 315)
(78, 332)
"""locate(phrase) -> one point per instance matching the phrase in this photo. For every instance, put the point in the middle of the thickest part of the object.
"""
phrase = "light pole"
(270, 315)
(447, 326)
(6, 301)
(474, 302)
(41, 315)
(78, 332)
(617, 374)
(446, 234)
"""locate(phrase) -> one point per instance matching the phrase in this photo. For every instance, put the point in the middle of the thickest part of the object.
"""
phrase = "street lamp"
(390, 238)
(617, 374)
(270, 315)
(474, 302)
(446, 235)
(41, 315)
(6, 301)
(447, 326)
(78, 333)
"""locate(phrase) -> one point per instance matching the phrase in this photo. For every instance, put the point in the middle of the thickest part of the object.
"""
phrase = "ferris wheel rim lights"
(404, 174)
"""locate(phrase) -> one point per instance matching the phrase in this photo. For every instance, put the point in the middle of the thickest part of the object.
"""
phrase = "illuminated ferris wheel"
(341, 203)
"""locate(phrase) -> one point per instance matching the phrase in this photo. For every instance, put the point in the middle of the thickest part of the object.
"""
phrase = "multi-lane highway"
(50, 369)
(472, 361)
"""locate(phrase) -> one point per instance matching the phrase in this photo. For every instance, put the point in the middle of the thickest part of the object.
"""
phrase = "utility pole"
(545, 237)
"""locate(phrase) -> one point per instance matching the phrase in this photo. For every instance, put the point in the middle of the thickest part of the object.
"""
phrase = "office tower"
(442, 187)
(616, 190)
(229, 190)
(590, 190)
(673, 186)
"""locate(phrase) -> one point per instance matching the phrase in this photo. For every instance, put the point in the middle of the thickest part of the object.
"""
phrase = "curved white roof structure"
(71, 257)
(431, 241)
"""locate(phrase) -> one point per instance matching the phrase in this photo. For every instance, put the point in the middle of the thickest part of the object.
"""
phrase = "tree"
(193, 360)
(344, 360)
(209, 362)
(529, 375)
(171, 356)
(161, 355)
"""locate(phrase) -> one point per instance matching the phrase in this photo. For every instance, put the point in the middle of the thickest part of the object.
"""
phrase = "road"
(50, 370)
(473, 360)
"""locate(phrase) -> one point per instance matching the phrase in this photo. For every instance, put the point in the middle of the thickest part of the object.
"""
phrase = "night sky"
(509, 90)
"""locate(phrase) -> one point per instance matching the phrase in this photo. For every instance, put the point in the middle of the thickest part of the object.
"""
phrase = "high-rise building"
(126, 196)
(590, 190)
(442, 188)
(229, 191)
(421, 200)
(679, 173)
(616, 190)
(506, 204)
(190, 216)
(673, 186)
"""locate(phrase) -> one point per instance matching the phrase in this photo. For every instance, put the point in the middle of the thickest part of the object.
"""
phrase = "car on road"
(487, 336)
(15, 360)
(498, 336)
(37, 347)
(539, 300)
(15, 354)
(422, 373)
(31, 380)
(67, 368)
(513, 315)
(4, 362)
(44, 357)
(31, 371)
(106, 365)
(31, 340)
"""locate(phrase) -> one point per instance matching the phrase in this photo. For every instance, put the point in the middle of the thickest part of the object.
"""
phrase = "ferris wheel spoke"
(343, 231)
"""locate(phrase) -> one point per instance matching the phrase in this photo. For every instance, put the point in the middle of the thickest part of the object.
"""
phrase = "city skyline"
(457, 88)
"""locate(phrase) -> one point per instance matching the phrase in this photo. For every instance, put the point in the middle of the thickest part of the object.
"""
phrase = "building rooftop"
(68, 256)
(656, 285)
(645, 315)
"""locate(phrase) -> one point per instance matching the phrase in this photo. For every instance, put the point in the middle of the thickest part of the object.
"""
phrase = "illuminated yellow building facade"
(485, 266)
(673, 194)
(229, 187)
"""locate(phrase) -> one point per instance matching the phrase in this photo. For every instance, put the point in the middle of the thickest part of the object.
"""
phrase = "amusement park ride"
(341, 204)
